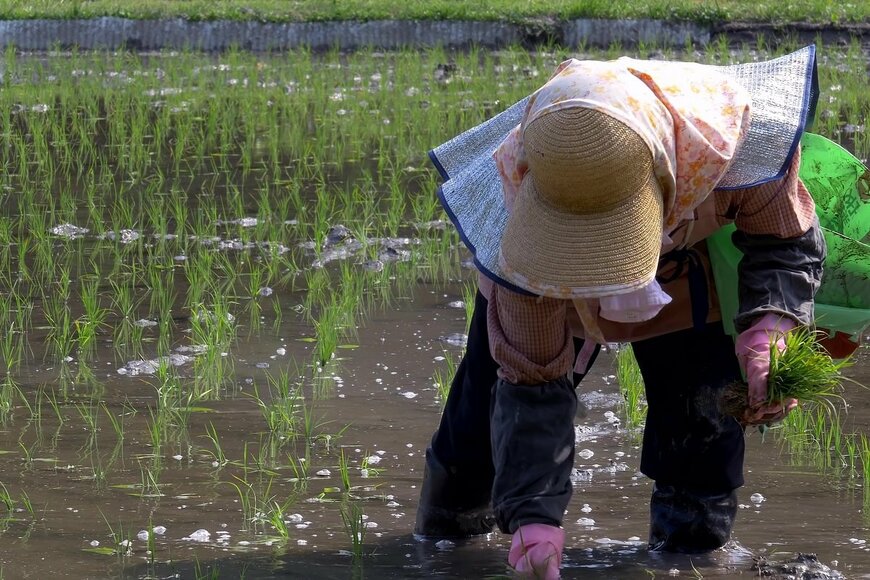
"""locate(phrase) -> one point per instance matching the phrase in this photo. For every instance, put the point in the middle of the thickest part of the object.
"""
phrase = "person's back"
(593, 230)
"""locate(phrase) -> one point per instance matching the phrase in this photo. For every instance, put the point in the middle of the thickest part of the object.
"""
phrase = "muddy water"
(385, 396)
(95, 494)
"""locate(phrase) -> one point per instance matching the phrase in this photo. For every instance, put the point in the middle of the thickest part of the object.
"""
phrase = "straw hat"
(784, 93)
(589, 214)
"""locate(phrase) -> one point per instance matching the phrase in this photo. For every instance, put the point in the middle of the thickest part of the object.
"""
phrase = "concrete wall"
(115, 33)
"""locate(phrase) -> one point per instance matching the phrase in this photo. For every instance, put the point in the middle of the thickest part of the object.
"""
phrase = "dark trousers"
(687, 442)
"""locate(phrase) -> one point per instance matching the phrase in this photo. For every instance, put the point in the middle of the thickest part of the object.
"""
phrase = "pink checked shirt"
(531, 336)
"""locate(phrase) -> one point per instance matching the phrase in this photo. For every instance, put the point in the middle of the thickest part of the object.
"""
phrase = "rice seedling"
(27, 454)
(256, 502)
(99, 471)
(26, 504)
(89, 324)
(121, 544)
(326, 332)
(265, 461)
(162, 296)
(247, 501)
(278, 316)
(469, 296)
(864, 454)
(56, 407)
(442, 379)
(117, 423)
(6, 500)
(149, 477)
(281, 410)
(276, 518)
(300, 467)
(156, 435)
(198, 271)
(814, 436)
(631, 387)
(127, 335)
(7, 394)
(851, 455)
(344, 472)
(829, 432)
(213, 330)
(219, 460)
(61, 335)
(175, 405)
(35, 410)
(257, 283)
(353, 518)
(209, 573)
(803, 371)
(89, 417)
(797, 429)
(21, 263)
(150, 546)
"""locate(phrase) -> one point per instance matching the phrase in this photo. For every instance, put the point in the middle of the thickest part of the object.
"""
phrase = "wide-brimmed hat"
(590, 210)
(783, 95)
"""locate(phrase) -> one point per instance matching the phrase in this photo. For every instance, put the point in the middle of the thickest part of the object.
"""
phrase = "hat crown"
(584, 161)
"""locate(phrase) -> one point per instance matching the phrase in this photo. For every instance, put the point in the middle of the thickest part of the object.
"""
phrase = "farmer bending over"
(586, 207)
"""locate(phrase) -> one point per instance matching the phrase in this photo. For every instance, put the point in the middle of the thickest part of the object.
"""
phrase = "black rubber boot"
(533, 452)
(452, 505)
(690, 522)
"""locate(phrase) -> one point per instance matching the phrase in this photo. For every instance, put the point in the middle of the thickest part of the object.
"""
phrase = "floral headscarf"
(692, 118)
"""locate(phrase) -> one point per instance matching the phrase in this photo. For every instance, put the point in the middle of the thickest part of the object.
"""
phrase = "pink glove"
(753, 353)
(536, 551)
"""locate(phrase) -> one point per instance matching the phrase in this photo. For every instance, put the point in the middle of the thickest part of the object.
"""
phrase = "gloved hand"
(753, 353)
(536, 551)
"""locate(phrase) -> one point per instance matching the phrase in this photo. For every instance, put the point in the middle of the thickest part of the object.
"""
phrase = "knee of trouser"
(533, 452)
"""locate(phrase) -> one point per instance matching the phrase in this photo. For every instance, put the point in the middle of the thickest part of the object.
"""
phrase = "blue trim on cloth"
(473, 189)
(810, 101)
(483, 270)
(443, 172)
(814, 93)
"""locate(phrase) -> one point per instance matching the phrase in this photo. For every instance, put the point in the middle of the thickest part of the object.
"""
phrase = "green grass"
(823, 11)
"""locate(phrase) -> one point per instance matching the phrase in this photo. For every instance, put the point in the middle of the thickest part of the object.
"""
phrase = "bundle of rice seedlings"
(803, 371)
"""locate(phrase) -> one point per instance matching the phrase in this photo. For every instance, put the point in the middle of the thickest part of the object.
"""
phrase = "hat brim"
(561, 255)
(472, 193)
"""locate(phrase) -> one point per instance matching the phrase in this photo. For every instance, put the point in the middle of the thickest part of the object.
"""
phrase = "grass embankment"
(814, 11)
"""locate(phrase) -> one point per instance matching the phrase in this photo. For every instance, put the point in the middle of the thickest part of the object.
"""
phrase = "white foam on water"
(200, 535)
(69, 231)
(444, 545)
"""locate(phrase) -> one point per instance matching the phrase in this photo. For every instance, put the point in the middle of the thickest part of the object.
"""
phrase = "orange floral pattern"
(691, 117)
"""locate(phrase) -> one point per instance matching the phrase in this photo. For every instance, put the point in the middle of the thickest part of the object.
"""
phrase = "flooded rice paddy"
(230, 309)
